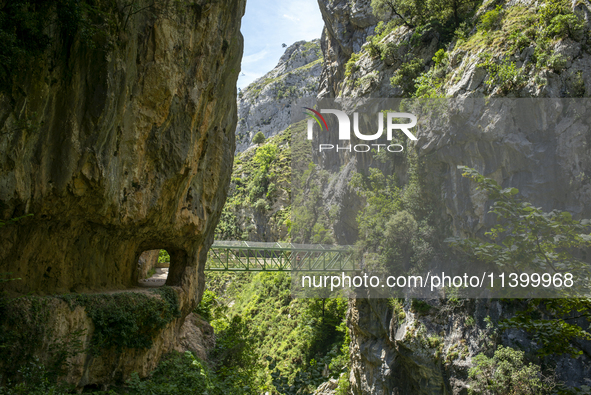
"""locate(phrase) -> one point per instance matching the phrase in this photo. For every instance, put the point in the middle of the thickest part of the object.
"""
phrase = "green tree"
(265, 155)
(259, 138)
(506, 374)
(527, 239)
(416, 13)
(396, 231)
(259, 182)
(400, 231)
(163, 256)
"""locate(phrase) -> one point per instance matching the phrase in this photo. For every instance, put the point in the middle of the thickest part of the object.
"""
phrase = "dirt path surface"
(157, 280)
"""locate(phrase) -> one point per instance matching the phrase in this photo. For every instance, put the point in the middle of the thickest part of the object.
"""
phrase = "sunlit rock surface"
(266, 104)
(347, 24)
(122, 150)
(407, 352)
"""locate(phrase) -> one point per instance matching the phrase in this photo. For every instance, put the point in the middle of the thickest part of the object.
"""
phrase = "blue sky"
(269, 23)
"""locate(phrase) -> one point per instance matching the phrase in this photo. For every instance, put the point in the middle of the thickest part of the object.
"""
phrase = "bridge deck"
(275, 256)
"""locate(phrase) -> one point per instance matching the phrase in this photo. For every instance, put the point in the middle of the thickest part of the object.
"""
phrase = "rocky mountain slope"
(265, 105)
(346, 27)
(507, 49)
(259, 202)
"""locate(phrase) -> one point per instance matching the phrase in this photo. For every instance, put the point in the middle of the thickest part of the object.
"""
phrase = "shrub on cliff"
(259, 138)
(413, 13)
(528, 239)
(406, 74)
(506, 373)
(128, 319)
(184, 374)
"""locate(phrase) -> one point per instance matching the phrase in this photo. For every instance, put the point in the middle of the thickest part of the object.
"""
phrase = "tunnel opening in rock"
(153, 268)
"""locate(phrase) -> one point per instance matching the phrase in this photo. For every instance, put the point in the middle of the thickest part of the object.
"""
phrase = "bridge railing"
(275, 256)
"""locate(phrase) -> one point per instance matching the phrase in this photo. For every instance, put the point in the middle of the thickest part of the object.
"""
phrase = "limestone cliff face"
(346, 25)
(391, 349)
(265, 105)
(120, 149)
(462, 74)
(258, 207)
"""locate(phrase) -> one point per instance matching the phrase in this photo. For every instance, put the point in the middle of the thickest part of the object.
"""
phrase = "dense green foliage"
(505, 75)
(260, 177)
(553, 324)
(412, 13)
(176, 374)
(528, 239)
(406, 74)
(506, 373)
(296, 339)
(397, 230)
(128, 319)
(184, 374)
(163, 256)
(35, 379)
(350, 66)
(491, 19)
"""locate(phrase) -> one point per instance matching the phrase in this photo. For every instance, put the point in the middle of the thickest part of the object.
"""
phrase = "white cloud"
(255, 57)
(291, 18)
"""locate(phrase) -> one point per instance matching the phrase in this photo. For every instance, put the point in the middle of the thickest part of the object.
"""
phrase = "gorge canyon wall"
(117, 137)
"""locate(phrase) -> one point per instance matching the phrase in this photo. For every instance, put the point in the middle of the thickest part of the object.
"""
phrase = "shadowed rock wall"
(121, 148)
(389, 350)
(346, 26)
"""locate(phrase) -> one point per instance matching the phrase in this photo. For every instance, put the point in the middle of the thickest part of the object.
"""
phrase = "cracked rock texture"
(120, 150)
(346, 26)
(395, 353)
(266, 104)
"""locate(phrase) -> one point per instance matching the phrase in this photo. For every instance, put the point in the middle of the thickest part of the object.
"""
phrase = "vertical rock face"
(399, 349)
(346, 25)
(121, 149)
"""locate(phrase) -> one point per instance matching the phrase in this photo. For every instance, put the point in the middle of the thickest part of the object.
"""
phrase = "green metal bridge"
(261, 256)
